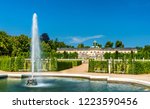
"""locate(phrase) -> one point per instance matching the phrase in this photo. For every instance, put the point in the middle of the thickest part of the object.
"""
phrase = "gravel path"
(82, 68)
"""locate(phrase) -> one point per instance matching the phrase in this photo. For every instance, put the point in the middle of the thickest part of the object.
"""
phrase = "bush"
(19, 63)
(139, 67)
(91, 65)
(57, 65)
(53, 64)
(76, 63)
(118, 66)
(5, 63)
(11, 63)
(126, 67)
(62, 65)
(98, 66)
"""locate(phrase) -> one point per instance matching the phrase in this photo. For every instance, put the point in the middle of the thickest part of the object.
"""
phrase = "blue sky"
(76, 21)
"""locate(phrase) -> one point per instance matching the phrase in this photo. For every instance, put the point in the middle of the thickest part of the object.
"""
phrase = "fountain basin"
(70, 83)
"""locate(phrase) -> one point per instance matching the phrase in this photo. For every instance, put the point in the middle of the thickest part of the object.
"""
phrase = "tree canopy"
(44, 37)
(119, 44)
(20, 45)
(80, 46)
(109, 44)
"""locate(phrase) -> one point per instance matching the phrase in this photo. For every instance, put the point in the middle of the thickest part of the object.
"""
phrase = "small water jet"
(35, 52)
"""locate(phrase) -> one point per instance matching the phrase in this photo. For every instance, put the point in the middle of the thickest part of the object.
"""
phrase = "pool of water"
(54, 84)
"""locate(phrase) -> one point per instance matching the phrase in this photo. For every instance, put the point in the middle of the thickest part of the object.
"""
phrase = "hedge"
(56, 65)
(76, 63)
(125, 67)
(5, 63)
(98, 66)
(20, 64)
(62, 65)
(53, 64)
(11, 63)
(65, 64)
(139, 67)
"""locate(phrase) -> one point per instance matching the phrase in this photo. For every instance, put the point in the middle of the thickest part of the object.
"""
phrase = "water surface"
(53, 84)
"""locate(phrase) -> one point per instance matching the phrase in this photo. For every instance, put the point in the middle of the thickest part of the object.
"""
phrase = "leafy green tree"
(107, 55)
(73, 55)
(99, 45)
(109, 44)
(44, 37)
(80, 46)
(86, 46)
(20, 45)
(116, 55)
(4, 43)
(119, 44)
(147, 48)
(65, 55)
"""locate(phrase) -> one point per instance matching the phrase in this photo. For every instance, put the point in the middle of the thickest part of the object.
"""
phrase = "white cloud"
(81, 40)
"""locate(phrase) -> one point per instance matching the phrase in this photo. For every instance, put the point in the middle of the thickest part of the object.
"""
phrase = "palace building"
(95, 52)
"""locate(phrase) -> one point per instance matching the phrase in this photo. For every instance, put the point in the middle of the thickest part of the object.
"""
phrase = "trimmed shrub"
(57, 65)
(62, 65)
(76, 63)
(53, 64)
(146, 66)
(12, 65)
(98, 66)
(126, 67)
(118, 66)
(91, 65)
(5, 63)
(139, 67)
(19, 63)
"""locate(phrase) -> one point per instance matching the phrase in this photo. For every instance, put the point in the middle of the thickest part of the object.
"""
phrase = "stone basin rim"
(84, 76)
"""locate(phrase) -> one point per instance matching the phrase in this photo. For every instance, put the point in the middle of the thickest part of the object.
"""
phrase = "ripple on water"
(40, 85)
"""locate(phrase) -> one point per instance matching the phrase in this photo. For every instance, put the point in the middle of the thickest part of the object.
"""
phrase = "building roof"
(102, 49)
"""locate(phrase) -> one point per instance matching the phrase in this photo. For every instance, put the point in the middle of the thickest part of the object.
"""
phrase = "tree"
(146, 48)
(107, 55)
(5, 44)
(73, 55)
(109, 44)
(86, 46)
(65, 55)
(80, 46)
(116, 55)
(99, 45)
(20, 45)
(119, 44)
(45, 47)
(44, 37)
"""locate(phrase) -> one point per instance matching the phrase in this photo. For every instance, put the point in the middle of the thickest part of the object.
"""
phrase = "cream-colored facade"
(95, 52)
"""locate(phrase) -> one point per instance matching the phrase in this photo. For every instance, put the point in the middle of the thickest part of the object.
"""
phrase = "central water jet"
(35, 51)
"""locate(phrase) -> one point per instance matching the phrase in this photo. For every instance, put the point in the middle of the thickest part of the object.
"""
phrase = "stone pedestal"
(31, 82)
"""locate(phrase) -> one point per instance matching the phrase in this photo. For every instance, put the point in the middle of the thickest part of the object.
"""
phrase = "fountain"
(35, 52)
